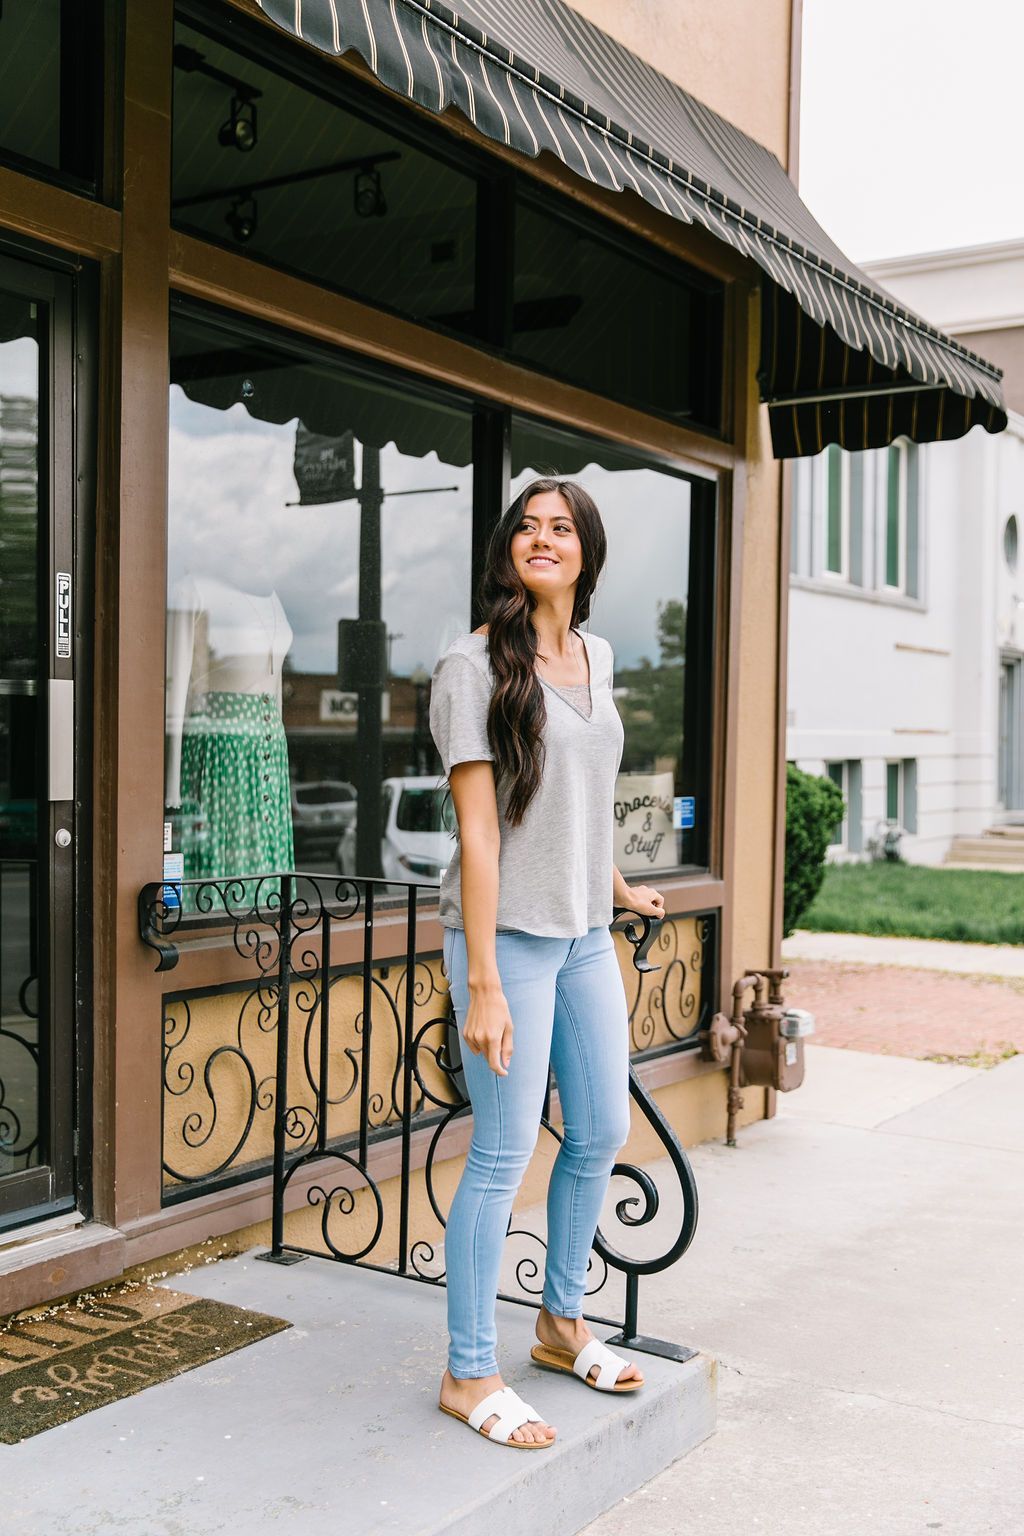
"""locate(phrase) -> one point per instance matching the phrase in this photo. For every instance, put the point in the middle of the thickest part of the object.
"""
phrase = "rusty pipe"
(735, 1097)
(723, 1042)
(726, 1037)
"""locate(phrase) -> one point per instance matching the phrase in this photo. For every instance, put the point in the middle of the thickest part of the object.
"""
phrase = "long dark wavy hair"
(517, 711)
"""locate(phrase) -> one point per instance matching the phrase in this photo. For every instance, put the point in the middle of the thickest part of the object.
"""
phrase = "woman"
(522, 715)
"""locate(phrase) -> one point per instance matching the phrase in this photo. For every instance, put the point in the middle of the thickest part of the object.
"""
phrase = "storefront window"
(609, 316)
(319, 561)
(654, 604)
(285, 175)
(50, 86)
(319, 540)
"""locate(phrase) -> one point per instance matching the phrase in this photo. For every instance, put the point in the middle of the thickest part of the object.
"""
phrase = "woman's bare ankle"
(471, 1389)
(564, 1332)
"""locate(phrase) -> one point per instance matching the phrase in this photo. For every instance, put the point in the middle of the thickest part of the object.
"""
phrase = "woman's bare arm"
(636, 898)
(488, 1025)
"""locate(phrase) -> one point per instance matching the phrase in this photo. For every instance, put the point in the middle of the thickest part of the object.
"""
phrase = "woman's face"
(545, 548)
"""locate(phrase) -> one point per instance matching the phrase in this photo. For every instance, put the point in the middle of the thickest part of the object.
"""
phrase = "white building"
(906, 633)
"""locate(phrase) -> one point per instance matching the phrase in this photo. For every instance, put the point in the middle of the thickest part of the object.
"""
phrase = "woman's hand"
(643, 899)
(489, 1029)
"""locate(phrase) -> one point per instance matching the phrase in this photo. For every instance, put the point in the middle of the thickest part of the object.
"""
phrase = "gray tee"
(555, 869)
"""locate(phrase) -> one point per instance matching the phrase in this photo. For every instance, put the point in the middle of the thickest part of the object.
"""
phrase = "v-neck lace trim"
(576, 694)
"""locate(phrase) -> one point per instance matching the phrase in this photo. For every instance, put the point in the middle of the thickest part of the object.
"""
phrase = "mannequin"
(227, 754)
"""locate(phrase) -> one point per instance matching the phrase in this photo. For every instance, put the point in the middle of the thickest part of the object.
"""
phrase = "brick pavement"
(902, 1012)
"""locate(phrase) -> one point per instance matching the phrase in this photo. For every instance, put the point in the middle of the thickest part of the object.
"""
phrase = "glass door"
(37, 781)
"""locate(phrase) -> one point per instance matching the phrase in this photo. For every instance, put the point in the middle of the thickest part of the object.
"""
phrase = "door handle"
(61, 710)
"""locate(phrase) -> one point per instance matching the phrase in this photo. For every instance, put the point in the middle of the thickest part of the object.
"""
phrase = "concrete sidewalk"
(925, 954)
(857, 1272)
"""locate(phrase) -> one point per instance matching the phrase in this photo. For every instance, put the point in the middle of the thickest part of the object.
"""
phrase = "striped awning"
(841, 360)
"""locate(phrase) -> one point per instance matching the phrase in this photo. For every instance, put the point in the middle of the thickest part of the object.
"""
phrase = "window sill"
(837, 587)
(685, 894)
(210, 958)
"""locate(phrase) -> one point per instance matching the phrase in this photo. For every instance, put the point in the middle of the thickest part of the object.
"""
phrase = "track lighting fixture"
(241, 217)
(239, 130)
(367, 194)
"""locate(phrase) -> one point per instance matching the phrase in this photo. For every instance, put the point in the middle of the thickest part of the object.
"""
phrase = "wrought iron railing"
(358, 1072)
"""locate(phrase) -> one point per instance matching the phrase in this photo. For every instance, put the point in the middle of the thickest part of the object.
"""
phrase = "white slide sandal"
(595, 1353)
(512, 1413)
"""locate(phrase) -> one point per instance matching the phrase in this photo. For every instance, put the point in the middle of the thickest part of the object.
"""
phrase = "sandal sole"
(515, 1445)
(561, 1360)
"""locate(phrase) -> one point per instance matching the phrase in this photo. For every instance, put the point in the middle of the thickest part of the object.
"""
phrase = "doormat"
(99, 1347)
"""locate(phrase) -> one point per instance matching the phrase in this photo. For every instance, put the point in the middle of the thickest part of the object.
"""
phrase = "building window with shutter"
(848, 833)
(837, 511)
(901, 518)
(832, 500)
(901, 794)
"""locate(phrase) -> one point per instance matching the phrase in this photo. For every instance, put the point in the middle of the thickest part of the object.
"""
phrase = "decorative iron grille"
(310, 1067)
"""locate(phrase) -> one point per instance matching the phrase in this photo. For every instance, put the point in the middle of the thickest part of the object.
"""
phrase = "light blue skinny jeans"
(568, 1007)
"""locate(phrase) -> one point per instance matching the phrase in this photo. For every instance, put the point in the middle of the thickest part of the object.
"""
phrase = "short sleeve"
(460, 698)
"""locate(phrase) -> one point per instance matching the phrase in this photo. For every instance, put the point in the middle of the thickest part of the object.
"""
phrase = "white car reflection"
(419, 830)
(321, 812)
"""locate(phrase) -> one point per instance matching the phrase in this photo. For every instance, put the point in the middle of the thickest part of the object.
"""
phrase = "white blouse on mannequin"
(219, 640)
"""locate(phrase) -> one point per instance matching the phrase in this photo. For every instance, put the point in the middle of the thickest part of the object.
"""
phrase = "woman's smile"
(547, 521)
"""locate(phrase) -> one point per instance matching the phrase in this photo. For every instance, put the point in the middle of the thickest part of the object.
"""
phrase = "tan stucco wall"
(731, 54)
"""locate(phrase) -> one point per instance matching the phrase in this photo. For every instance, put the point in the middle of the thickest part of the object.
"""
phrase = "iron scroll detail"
(354, 1072)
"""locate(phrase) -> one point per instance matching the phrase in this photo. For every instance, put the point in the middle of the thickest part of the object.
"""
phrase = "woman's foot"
(463, 1394)
(572, 1333)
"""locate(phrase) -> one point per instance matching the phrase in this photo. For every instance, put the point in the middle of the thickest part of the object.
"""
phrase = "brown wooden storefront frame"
(141, 261)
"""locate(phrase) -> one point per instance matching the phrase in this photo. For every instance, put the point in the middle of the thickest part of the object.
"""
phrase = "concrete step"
(992, 849)
(333, 1426)
(1003, 867)
(1007, 855)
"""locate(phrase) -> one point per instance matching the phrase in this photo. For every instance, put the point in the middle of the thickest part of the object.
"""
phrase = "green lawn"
(980, 906)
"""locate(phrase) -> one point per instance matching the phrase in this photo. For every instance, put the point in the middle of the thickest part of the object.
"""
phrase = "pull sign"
(63, 616)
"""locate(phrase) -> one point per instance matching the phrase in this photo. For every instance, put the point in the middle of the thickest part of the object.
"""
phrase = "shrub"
(813, 807)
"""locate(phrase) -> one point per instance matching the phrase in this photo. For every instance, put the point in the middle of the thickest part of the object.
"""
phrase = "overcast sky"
(911, 123)
(231, 516)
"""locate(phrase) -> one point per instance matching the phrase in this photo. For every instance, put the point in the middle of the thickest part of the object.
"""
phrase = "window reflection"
(653, 604)
(614, 320)
(287, 176)
(23, 1034)
(50, 79)
(318, 563)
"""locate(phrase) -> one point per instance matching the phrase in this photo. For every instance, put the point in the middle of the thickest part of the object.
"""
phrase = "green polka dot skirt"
(235, 786)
